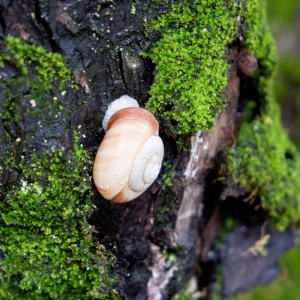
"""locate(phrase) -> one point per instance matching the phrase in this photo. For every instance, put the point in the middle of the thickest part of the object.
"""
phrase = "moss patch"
(264, 161)
(257, 36)
(188, 90)
(49, 66)
(47, 249)
(168, 175)
(44, 234)
(191, 70)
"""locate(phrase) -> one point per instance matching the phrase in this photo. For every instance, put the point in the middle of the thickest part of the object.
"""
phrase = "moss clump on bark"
(49, 66)
(46, 240)
(264, 161)
(190, 57)
(190, 60)
(258, 39)
(47, 250)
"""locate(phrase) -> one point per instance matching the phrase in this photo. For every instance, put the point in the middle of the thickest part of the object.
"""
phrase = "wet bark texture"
(164, 240)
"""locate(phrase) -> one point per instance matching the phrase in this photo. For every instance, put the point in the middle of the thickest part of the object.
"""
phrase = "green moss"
(258, 39)
(264, 162)
(170, 190)
(190, 57)
(188, 90)
(168, 175)
(48, 66)
(47, 250)
(44, 234)
(191, 68)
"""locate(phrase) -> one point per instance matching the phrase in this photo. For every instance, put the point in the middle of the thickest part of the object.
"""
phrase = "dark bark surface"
(101, 41)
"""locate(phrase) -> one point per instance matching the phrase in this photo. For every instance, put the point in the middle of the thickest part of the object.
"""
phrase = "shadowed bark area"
(162, 239)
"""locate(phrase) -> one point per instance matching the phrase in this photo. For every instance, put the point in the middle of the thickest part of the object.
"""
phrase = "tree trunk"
(164, 241)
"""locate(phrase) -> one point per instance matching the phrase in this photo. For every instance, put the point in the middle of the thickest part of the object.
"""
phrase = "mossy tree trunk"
(165, 240)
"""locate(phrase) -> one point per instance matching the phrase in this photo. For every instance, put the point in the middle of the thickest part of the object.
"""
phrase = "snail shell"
(130, 155)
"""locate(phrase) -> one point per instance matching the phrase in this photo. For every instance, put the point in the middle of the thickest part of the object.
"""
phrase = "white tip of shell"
(124, 101)
(147, 164)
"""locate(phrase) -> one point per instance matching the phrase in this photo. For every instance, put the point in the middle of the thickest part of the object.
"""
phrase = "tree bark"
(162, 239)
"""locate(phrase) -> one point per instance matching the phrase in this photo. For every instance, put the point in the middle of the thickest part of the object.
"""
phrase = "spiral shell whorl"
(147, 164)
(130, 155)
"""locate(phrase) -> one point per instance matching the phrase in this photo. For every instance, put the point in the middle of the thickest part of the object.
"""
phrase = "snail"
(130, 155)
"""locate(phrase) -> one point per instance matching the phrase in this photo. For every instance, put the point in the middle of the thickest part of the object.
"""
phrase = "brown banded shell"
(130, 155)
